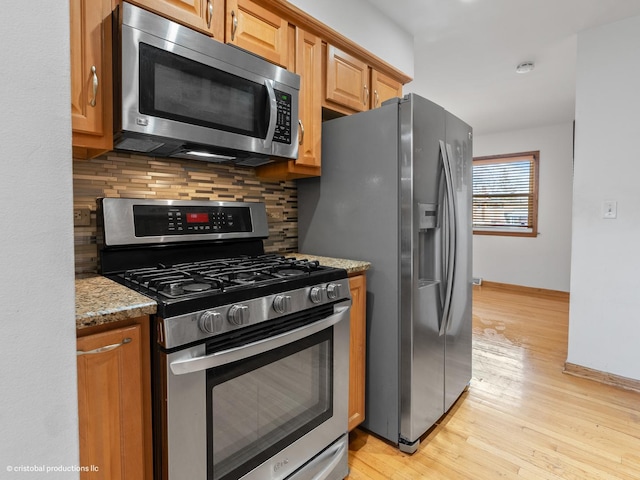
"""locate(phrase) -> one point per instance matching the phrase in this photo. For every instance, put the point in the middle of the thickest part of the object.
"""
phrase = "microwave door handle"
(197, 364)
(273, 114)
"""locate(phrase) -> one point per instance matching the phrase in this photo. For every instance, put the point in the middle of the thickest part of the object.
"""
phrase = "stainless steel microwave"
(179, 93)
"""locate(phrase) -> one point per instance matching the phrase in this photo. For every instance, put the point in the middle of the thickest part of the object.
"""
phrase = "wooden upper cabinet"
(257, 30)
(91, 78)
(206, 16)
(308, 64)
(347, 80)
(383, 88)
(309, 67)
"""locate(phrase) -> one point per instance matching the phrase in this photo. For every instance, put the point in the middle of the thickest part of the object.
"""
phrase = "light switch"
(609, 209)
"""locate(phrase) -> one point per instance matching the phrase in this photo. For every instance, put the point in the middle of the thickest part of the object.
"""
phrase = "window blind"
(505, 193)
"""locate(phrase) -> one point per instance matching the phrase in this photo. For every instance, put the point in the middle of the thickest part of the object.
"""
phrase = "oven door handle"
(197, 364)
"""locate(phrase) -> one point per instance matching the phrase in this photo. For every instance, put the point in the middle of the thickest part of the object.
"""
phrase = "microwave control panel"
(184, 220)
(283, 122)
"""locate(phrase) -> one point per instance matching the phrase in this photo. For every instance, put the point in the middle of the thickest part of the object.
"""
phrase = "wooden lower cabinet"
(357, 365)
(113, 408)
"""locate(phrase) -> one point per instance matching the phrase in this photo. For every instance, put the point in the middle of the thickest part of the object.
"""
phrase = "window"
(505, 194)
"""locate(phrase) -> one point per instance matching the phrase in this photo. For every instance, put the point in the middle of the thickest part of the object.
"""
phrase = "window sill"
(506, 232)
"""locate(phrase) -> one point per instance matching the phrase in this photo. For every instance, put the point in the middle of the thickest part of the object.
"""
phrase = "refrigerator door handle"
(449, 227)
(443, 242)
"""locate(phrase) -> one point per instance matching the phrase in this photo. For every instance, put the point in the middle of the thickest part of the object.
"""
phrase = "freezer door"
(458, 328)
(422, 127)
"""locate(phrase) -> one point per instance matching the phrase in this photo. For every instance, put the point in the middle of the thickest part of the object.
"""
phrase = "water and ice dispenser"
(428, 244)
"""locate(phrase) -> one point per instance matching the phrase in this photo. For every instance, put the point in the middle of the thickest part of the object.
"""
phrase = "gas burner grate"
(208, 277)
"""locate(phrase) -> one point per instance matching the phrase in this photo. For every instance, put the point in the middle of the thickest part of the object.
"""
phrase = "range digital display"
(197, 218)
(163, 220)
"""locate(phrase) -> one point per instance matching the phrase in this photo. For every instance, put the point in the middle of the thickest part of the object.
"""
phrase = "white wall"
(38, 403)
(542, 261)
(604, 320)
(365, 25)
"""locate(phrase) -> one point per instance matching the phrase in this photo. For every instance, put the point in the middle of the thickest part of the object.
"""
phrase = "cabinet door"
(257, 30)
(358, 287)
(110, 404)
(383, 88)
(309, 67)
(347, 80)
(206, 16)
(308, 64)
(91, 82)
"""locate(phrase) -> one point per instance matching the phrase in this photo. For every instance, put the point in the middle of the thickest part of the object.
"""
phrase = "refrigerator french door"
(396, 191)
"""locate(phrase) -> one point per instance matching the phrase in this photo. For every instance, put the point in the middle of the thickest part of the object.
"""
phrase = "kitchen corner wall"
(39, 401)
(604, 325)
(135, 176)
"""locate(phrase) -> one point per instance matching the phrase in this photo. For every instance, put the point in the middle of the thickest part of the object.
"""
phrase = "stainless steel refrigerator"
(396, 191)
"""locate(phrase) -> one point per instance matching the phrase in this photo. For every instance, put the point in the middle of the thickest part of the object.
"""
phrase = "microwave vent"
(139, 144)
(254, 161)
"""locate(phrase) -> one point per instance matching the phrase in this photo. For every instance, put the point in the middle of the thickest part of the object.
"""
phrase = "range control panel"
(283, 122)
(152, 221)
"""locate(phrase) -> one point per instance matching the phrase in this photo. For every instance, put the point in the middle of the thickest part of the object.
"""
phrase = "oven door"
(262, 410)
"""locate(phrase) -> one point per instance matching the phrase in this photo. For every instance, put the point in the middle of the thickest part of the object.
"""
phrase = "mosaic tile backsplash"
(136, 176)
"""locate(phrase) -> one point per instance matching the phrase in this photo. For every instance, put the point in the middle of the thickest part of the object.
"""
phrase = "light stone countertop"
(352, 267)
(100, 300)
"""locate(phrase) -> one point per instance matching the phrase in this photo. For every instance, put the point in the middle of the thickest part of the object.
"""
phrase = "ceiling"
(466, 53)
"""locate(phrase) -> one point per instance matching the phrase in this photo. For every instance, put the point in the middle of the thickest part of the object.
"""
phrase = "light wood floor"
(521, 417)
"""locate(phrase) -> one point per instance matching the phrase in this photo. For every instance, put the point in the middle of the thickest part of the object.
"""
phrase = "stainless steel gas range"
(250, 351)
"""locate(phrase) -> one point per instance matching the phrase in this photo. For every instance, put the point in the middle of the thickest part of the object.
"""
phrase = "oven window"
(257, 407)
(180, 89)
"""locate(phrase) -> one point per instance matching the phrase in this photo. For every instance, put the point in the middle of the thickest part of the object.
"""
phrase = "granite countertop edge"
(100, 300)
(351, 266)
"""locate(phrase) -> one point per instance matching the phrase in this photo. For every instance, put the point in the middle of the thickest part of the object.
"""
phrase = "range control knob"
(333, 291)
(210, 322)
(282, 303)
(239, 315)
(315, 295)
